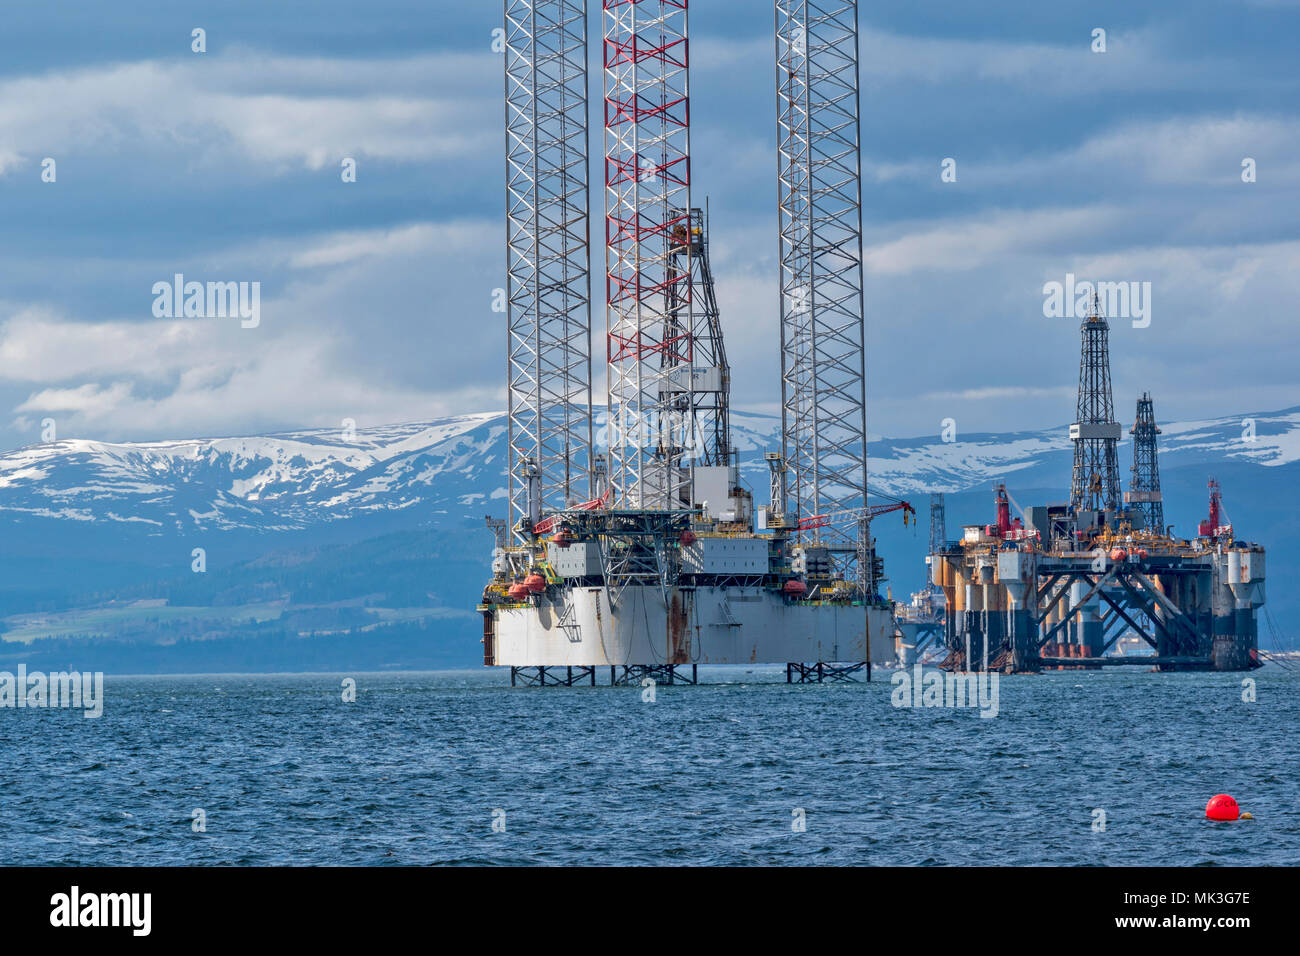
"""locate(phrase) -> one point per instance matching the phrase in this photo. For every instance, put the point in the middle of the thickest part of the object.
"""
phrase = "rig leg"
(546, 676)
(826, 672)
(633, 674)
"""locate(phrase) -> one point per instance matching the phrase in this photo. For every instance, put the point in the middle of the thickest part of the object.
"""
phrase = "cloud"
(977, 241)
(294, 378)
(376, 297)
(89, 399)
(1135, 59)
(1174, 152)
(39, 345)
(1017, 392)
(281, 111)
(363, 244)
(329, 346)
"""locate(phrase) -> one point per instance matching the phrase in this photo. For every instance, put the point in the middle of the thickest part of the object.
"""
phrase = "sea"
(456, 767)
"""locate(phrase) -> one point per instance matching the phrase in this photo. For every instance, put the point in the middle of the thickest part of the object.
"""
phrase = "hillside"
(331, 551)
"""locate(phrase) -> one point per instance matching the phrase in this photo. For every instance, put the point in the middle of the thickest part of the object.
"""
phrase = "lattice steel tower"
(651, 318)
(1144, 488)
(1095, 433)
(548, 257)
(823, 372)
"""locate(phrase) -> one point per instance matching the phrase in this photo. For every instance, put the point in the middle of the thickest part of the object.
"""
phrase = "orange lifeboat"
(535, 583)
(688, 538)
(1118, 554)
(562, 539)
(1141, 554)
(795, 588)
(517, 592)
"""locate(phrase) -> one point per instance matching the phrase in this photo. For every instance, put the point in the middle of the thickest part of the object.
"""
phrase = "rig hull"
(1021, 609)
(576, 626)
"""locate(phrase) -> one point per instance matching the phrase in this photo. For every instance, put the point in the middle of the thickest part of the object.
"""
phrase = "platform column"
(1018, 574)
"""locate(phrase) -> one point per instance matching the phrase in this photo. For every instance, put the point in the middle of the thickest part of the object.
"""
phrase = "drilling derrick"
(1144, 488)
(652, 319)
(548, 262)
(823, 380)
(1095, 483)
(711, 383)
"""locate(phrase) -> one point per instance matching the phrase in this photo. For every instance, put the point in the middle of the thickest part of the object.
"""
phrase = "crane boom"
(869, 512)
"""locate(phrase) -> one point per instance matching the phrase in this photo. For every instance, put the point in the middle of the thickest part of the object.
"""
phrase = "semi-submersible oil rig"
(1058, 585)
(649, 558)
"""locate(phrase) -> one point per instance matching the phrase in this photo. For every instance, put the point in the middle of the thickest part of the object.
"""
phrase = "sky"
(376, 295)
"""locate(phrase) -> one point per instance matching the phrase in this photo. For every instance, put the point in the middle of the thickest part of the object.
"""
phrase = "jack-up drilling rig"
(667, 564)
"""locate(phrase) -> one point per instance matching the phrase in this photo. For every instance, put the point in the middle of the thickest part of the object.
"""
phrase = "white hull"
(702, 625)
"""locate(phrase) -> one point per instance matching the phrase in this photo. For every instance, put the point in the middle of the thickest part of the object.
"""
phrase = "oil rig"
(634, 546)
(1058, 585)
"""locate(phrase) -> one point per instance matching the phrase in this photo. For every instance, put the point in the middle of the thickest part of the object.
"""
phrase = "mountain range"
(325, 549)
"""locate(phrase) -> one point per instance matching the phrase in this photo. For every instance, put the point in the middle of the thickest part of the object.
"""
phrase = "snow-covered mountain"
(372, 544)
(286, 481)
(452, 469)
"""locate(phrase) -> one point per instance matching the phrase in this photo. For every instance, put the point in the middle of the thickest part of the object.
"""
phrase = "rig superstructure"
(663, 562)
(1059, 585)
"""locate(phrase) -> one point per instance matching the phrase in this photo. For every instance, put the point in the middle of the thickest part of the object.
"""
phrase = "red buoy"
(535, 583)
(1222, 807)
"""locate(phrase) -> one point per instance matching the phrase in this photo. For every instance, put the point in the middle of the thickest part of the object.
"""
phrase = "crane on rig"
(1217, 524)
(870, 512)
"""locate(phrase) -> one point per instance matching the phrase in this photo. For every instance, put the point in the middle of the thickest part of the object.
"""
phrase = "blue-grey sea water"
(416, 770)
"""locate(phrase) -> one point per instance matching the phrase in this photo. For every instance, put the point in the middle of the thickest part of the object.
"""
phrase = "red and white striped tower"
(651, 313)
